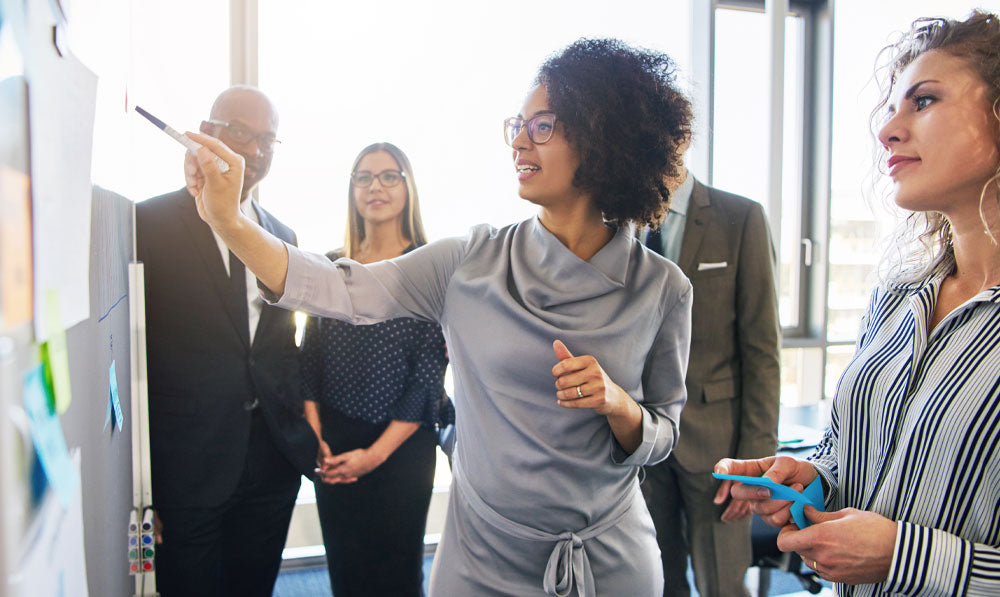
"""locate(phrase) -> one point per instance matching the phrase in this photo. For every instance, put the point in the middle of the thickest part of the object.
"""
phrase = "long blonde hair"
(923, 243)
(413, 226)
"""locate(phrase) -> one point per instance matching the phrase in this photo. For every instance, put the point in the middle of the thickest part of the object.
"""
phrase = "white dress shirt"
(672, 232)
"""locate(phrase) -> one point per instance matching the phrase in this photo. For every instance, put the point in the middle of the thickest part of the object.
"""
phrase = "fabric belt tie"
(568, 567)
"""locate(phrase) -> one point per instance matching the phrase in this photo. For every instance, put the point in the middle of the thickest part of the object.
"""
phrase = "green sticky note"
(55, 354)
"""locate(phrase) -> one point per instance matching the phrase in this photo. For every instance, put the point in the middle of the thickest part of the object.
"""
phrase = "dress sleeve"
(663, 387)
(933, 562)
(412, 285)
(424, 385)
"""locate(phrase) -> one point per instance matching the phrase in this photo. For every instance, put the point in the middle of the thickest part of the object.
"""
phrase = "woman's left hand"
(347, 467)
(848, 546)
(582, 383)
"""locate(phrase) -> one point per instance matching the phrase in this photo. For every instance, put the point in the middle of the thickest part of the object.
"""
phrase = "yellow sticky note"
(55, 354)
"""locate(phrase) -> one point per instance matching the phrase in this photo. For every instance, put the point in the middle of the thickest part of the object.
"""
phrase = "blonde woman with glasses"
(374, 398)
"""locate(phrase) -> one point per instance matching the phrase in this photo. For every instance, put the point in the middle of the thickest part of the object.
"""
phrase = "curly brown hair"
(924, 242)
(626, 117)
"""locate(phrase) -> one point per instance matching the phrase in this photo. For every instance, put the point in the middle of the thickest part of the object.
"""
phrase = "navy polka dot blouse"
(393, 370)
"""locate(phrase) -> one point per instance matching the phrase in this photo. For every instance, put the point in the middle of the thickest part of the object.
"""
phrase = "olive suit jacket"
(733, 374)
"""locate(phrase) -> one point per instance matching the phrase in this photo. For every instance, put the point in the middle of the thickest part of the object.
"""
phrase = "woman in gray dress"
(545, 499)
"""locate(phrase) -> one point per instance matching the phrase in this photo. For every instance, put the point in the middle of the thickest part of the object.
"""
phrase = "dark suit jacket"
(202, 370)
(733, 376)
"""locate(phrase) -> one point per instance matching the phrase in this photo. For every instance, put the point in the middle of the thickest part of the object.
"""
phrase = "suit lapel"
(208, 251)
(694, 229)
(267, 312)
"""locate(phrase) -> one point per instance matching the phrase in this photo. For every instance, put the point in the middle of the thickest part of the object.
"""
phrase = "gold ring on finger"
(579, 392)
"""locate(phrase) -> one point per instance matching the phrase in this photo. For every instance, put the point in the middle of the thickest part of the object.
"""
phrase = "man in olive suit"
(722, 243)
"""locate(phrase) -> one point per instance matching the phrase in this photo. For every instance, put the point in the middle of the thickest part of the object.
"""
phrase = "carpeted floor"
(314, 582)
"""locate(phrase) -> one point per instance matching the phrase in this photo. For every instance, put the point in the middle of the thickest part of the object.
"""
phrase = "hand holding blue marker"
(811, 496)
(191, 145)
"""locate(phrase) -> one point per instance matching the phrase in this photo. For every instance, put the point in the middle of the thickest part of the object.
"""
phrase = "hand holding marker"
(191, 146)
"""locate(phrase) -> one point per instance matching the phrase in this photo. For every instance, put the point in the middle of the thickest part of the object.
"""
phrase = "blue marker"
(191, 145)
(811, 496)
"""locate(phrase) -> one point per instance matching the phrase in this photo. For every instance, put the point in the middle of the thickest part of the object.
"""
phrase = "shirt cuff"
(928, 562)
(642, 453)
(830, 487)
(298, 286)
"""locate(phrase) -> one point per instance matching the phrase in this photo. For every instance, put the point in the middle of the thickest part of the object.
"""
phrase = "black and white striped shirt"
(915, 437)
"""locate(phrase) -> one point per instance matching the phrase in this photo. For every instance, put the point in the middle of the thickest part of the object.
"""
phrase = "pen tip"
(159, 123)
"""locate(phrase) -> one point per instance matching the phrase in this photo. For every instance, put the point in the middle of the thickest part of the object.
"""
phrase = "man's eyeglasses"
(242, 135)
(540, 128)
(387, 178)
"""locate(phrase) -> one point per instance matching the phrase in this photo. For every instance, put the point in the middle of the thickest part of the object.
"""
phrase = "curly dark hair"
(626, 118)
(925, 239)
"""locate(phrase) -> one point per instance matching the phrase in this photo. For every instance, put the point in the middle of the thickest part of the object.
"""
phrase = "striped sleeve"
(824, 458)
(931, 562)
(985, 576)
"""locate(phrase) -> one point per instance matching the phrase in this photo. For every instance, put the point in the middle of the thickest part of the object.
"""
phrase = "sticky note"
(115, 403)
(812, 495)
(54, 353)
(108, 412)
(47, 436)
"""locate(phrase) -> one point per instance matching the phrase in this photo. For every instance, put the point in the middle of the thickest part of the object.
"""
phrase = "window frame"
(809, 332)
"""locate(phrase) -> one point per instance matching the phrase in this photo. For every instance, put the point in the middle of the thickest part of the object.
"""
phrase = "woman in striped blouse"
(911, 462)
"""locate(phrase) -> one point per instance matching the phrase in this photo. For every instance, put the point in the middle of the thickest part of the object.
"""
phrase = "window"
(741, 144)
(141, 60)
(740, 131)
(437, 80)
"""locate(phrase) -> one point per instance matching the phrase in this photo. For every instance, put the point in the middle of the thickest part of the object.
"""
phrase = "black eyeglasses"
(242, 135)
(387, 178)
(540, 128)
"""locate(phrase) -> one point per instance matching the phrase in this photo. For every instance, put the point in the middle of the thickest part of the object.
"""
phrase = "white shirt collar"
(681, 197)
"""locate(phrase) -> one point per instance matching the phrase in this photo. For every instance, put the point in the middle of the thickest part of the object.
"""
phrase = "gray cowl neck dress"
(544, 500)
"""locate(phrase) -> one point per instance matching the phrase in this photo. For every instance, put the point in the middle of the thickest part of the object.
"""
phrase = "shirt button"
(249, 405)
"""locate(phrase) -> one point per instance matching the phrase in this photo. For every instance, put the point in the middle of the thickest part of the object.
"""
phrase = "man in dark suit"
(228, 437)
(722, 243)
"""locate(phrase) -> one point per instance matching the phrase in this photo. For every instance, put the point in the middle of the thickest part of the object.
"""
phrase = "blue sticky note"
(113, 380)
(811, 496)
(47, 435)
(109, 411)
